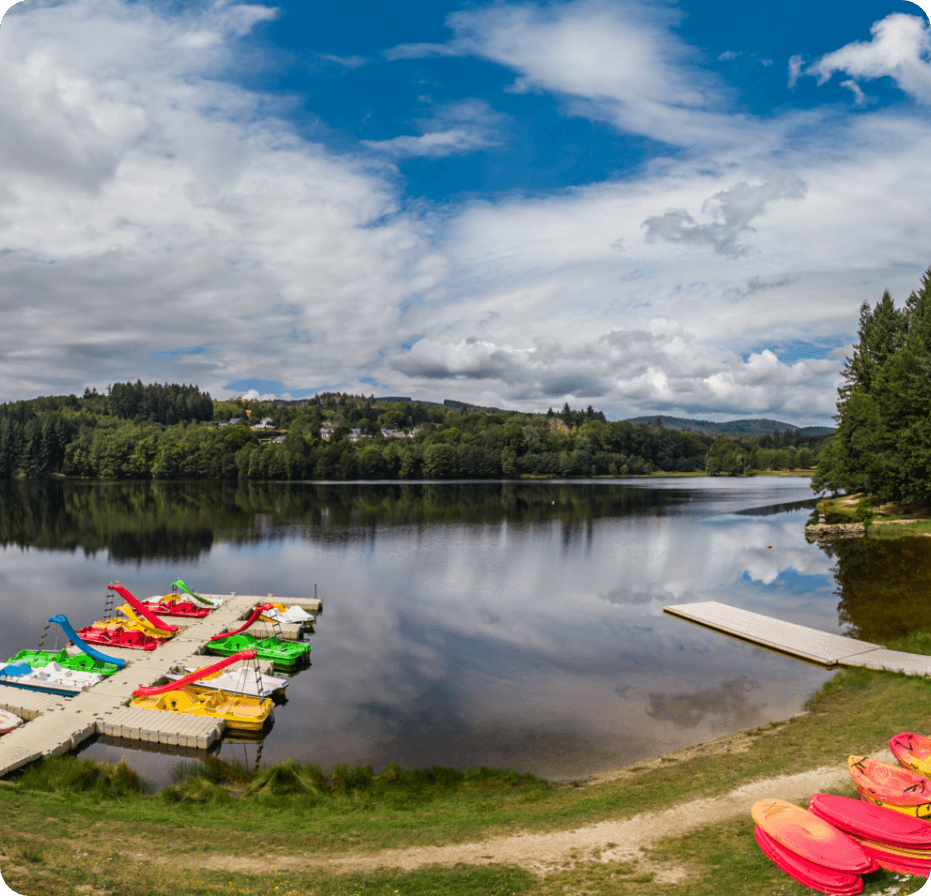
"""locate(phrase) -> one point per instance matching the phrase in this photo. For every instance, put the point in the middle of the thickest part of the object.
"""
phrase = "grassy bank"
(889, 520)
(72, 826)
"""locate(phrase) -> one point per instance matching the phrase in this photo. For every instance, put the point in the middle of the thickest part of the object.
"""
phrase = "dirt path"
(607, 841)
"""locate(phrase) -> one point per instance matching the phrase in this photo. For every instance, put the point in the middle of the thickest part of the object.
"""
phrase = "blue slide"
(62, 620)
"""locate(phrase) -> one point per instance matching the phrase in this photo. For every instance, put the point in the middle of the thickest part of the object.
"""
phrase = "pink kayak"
(825, 880)
(871, 822)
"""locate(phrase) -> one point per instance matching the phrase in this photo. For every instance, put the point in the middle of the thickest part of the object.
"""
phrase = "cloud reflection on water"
(531, 635)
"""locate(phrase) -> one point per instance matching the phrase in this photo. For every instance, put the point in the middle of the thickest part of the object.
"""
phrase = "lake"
(513, 624)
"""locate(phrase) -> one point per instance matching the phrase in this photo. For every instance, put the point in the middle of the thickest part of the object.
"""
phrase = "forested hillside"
(177, 432)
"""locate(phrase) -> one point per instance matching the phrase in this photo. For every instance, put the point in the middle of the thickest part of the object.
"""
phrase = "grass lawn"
(71, 826)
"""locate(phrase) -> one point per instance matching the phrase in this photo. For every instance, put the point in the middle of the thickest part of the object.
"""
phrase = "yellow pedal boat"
(239, 713)
(134, 622)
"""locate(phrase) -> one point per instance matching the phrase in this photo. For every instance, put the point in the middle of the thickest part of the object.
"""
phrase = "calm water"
(514, 624)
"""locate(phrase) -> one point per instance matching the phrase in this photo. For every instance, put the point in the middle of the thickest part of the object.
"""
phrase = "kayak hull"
(871, 822)
(810, 837)
(888, 785)
(807, 873)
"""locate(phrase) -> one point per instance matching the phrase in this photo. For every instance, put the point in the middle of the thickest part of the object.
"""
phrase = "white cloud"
(455, 129)
(146, 205)
(619, 64)
(732, 210)
(795, 70)
(899, 50)
(859, 97)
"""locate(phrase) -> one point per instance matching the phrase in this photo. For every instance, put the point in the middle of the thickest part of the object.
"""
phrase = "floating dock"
(806, 643)
(57, 724)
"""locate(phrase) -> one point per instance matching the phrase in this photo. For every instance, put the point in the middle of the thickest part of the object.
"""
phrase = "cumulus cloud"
(900, 50)
(641, 368)
(455, 129)
(732, 211)
(146, 202)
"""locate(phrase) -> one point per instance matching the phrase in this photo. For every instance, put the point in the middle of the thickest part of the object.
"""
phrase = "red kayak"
(825, 880)
(871, 822)
(895, 861)
(119, 637)
(811, 837)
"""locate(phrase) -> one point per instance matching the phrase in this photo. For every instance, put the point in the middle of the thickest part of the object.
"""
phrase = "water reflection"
(884, 586)
(517, 624)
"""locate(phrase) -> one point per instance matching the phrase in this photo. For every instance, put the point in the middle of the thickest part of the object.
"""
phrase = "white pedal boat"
(293, 615)
(244, 681)
(54, 679)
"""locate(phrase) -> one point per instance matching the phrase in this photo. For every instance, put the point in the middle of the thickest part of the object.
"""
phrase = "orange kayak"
(886, 785)
(913, 752)
(810, 837)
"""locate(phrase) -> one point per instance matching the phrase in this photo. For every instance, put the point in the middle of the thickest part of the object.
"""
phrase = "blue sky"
(650, 207)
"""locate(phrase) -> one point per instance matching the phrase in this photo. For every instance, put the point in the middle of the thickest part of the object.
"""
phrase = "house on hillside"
(233, 421)
(266, 423)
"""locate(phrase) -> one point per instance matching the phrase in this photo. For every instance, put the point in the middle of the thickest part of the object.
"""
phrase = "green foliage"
(165, 432)
(882, 445)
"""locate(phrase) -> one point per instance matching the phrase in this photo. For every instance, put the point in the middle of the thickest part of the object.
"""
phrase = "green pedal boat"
(80, 663)
(286, 655)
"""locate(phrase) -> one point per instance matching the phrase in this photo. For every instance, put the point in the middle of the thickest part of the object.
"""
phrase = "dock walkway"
(57, 724)
(801, 641)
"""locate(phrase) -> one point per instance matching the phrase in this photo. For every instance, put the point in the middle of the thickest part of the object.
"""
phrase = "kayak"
(810, 837)
(913, 751)
(871, 822)
(888, 785)
(825, 880)
(893, 860)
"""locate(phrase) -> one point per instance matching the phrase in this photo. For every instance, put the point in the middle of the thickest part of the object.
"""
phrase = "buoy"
(769, 545)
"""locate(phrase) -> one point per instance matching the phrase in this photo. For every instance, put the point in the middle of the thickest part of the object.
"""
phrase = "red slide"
(258, 611)
(194, 676)
(143, 611)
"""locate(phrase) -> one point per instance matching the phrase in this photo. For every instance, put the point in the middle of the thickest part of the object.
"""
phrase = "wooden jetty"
(57, 724)
(806, 643)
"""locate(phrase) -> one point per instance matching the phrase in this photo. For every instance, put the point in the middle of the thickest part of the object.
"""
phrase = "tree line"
(166, 432)
(882, 444)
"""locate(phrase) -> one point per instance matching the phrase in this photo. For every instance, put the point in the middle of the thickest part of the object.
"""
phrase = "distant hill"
(753, 427)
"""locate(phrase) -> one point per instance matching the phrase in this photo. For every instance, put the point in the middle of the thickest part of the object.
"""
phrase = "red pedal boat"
(174, 606)
(119, 637)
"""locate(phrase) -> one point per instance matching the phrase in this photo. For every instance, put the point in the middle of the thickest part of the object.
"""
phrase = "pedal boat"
(285, 655)
(293, 615)
(241, 713)
(51, 678)
(173, 605)
(913, 751)
(245, 681)
(81, 662)
(887, 785)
